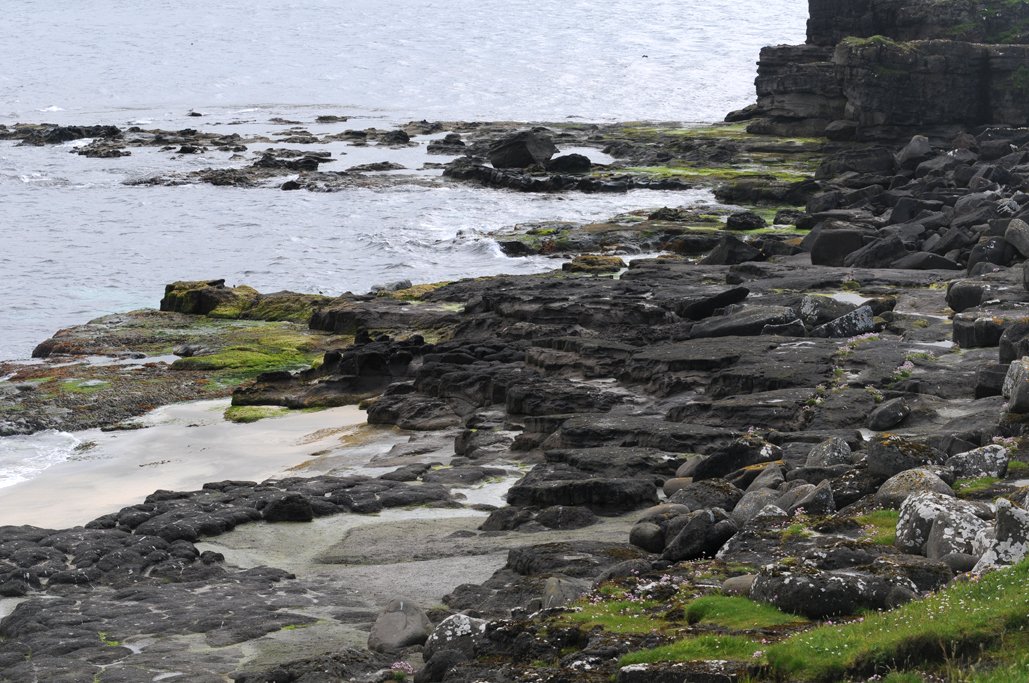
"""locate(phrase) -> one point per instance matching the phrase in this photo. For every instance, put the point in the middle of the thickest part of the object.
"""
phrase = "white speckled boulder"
(1011, 544)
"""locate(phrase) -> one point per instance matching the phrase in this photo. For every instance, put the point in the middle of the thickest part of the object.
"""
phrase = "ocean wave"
(24, 457)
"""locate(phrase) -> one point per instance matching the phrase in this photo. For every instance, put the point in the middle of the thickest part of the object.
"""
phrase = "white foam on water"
(23, 457)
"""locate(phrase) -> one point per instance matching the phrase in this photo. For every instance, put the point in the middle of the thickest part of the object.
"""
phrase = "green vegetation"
(107, 640)
(248, 414)
(977, 485)
(255, 349)
(1017, 469)
(957, 621)
(415, 292)
(695, 649)
(285, 306)
(795, 532)
(737, 613)
(717, 173)
(83, 386)
(879, 526)
(618, 616)
(875, 41)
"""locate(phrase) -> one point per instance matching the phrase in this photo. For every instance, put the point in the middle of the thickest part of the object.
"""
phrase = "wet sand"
(184, 446)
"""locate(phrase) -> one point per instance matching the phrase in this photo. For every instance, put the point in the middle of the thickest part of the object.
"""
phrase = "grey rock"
(1011, 544)
(739, 585)
(988, 461)
(832, 451)
(704, 534)
(561, 590)
(1017, 235)
(917, 515)
(710, 493)
(752, 503)
(858, 321)
(648, 536)
(457, 632)
(953, 531)
(897, 488)
(400, 625)
(818, 501)
(888, 415)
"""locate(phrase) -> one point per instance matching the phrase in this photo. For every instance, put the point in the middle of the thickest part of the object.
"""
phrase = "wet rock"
(731, 250)
(569, 163)
(522, 150)
(548, 485)
(745, 220)
(292, 507)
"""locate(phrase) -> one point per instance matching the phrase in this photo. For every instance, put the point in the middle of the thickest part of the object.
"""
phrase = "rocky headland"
(778, 438)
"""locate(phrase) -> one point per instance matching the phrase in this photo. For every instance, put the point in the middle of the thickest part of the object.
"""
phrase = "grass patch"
(696, 649)
(1017, 469)
(971, 487)
(879, 526)
(618, 616)
(83, 386)
(248, 414)
(957, 620)
(795, 532)
(737, 613)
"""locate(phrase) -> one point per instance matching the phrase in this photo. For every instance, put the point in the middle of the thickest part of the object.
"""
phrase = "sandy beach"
(184, 446)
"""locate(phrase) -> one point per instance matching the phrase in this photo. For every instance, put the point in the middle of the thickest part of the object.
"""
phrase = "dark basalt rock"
(522, 150)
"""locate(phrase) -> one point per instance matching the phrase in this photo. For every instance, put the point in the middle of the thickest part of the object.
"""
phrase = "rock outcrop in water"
(884, 69)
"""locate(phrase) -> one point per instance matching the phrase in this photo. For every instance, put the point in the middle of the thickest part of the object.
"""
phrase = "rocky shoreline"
(786, 443)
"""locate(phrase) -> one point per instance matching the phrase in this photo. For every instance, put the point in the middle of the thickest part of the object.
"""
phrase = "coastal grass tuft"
(879, 526)
(960, 619)
(974, 486)
(700, 648)
(1017, 469)
(737, 613)
(618, 616)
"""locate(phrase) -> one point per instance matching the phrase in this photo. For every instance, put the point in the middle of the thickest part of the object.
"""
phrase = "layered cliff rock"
(883, 69)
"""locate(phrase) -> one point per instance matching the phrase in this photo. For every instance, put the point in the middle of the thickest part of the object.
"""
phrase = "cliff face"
(886, 68)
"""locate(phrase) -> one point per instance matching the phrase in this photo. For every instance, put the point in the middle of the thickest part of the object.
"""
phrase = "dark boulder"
(523, 149)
